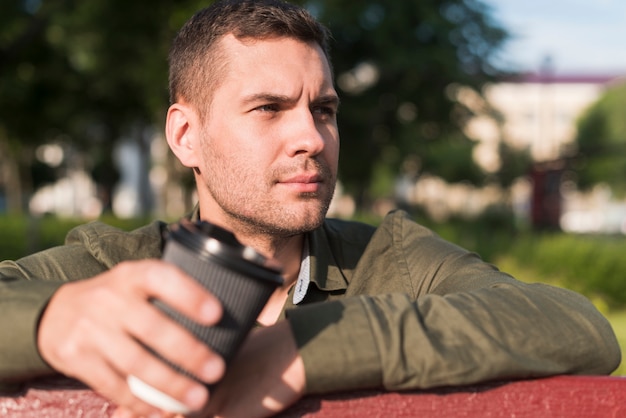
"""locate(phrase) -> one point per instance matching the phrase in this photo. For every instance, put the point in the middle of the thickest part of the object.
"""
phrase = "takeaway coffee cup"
(240, 277)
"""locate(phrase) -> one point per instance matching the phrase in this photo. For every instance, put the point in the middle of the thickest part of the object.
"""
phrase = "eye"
(325, 111)
(267, 108)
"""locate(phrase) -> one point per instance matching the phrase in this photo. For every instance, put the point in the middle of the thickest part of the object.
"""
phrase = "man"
(254, 115)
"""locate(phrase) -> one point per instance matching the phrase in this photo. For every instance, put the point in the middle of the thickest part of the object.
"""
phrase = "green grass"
(23, 235)
(618, 321)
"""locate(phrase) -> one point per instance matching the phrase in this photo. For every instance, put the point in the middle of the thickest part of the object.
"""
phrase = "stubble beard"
(254, 212)
(285, 224)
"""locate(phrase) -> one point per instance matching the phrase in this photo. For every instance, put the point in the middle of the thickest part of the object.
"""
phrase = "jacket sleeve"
(26, 286)
(465, 322)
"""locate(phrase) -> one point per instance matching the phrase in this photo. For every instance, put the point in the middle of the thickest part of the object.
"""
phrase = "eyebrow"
(331, 99)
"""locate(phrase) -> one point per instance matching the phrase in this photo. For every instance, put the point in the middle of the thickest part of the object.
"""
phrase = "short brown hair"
(194, 59)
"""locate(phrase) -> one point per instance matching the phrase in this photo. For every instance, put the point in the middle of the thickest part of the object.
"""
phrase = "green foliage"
(91, 72)
(590, 264)
(415, 50)
(26, 235)
(515, 164)
(451, 159)
(14, 232)
(82, 73)
(601, 142)
(618, 322)
(489, 235)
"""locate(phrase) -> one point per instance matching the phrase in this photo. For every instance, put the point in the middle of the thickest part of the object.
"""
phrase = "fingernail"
(121, 413)
(209, 312)
(196, 397)
(212, 370)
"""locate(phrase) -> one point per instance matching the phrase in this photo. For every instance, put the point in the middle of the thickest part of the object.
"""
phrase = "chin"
(294, 225)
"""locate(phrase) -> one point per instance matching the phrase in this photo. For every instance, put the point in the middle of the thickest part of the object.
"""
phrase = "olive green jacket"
(394, 307)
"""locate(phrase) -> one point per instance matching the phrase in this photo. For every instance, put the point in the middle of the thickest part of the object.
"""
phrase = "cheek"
(332, 149)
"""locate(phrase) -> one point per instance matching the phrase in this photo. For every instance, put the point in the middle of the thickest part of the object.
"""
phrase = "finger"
(178, 290)
(170, 340)
(104, 379)
(128, 357)
(144, 322)
(122, 412)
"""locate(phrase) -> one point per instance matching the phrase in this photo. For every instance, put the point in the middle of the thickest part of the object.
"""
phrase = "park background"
(499, 124)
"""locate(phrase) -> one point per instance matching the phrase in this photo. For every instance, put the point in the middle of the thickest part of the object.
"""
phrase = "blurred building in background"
(541, 110)
(540, 113)
(537, 113)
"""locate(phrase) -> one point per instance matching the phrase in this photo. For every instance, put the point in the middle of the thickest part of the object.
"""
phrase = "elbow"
(588, 343)
(606, 359)
(603, 355)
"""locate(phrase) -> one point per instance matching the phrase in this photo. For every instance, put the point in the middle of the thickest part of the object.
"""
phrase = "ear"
(182, 130)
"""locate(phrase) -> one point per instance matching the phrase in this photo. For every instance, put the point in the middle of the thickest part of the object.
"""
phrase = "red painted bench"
(562, 396)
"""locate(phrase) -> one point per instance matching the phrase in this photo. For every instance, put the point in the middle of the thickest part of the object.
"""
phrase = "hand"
(265, 377)
(96, 330)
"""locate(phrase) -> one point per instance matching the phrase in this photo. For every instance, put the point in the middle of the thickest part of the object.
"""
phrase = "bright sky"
(581, 36)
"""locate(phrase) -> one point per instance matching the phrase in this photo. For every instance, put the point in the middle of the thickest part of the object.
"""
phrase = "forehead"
(275, 63)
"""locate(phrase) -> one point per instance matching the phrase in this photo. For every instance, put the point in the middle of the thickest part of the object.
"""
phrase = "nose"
(304, 135)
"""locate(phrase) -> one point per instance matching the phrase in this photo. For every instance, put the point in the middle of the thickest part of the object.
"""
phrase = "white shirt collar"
(304, 276)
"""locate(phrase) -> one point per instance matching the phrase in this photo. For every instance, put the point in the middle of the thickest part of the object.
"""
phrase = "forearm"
(26, 286)
(506, 331)
(21, 306)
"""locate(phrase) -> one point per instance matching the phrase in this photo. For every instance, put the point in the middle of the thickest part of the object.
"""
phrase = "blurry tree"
(601, 142)
(92, 72)
(396, 64)
(33, 80)
(85, 73)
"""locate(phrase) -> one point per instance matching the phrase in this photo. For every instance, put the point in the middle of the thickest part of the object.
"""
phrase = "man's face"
(270, 143)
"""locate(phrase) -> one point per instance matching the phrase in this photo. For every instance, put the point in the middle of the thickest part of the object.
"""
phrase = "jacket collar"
(326, 271)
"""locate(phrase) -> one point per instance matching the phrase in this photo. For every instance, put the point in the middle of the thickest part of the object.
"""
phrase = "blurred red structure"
(562, 396)
(546, 199)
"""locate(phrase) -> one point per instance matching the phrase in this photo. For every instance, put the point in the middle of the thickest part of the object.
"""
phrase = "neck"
(287, 251)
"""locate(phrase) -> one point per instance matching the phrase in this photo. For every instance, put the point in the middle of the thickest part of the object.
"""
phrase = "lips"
(303, 183)
(303, 179)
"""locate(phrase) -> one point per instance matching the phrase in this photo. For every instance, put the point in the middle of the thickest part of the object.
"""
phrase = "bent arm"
(506, 331)
(26, 286)
(458, 321)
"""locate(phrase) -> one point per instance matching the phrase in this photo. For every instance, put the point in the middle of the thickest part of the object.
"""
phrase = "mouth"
(303, 179)
(303, 183)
